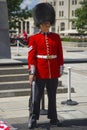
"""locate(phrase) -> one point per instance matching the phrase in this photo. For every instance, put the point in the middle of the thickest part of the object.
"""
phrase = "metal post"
(69, 101)
(69, 83)
(18, 45)
(17, 48)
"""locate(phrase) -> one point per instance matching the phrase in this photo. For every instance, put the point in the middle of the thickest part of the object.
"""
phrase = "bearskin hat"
(43, 12)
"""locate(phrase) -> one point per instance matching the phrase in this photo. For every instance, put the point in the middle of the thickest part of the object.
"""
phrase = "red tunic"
(41, 45)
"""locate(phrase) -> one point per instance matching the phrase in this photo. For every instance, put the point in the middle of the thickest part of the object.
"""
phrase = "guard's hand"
(31, 78)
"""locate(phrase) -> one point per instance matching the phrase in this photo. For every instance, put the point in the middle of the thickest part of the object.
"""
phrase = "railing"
(66, 61)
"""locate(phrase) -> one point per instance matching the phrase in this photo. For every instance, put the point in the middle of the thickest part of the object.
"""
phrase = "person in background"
(45, 62)
(25, 37)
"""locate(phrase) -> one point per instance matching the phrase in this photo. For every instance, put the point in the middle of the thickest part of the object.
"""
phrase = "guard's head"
(43, 12)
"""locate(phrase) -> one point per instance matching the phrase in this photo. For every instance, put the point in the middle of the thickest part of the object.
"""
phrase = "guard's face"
(45, 26)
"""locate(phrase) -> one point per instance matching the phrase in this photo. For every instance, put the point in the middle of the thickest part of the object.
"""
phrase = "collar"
(45, 33)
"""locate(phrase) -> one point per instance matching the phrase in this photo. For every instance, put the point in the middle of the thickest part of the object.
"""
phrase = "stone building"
(65, 11)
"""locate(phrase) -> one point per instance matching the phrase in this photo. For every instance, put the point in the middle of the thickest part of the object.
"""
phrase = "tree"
(15, 13)
(81, 14)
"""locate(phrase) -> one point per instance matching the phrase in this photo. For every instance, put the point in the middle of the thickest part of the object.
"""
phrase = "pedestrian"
(25, 37)
(45, 62)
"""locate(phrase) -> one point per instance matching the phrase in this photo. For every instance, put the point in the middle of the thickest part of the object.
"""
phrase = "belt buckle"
(49, 57)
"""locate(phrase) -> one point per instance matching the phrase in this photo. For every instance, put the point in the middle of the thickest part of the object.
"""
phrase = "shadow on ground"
(80, 124)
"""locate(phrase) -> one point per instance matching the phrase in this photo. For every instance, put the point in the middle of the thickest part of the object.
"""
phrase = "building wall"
(65, 10)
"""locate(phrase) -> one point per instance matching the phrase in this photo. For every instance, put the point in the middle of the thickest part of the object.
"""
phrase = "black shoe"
(32, 123)
(55, 122)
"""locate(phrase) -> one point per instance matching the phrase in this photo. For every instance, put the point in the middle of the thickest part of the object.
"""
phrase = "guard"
(45, 62)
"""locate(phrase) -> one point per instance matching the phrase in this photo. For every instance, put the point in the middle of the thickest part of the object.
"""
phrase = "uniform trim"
(47, 56)
(30, 48)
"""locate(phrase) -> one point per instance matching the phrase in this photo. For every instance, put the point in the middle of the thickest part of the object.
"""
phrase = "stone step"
(13, 71)
(14, 82)
(13, 77)
(13, 93)
(17, 84)
(27, 91)
(14, 85)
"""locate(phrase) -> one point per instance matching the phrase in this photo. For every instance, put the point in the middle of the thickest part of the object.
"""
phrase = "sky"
(29, 3)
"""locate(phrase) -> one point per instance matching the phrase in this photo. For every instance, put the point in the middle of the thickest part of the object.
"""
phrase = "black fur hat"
(43, 12)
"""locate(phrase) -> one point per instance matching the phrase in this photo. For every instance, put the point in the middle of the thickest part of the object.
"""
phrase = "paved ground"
(14, 110)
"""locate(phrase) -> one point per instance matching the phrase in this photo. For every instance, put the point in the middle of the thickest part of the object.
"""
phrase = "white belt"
(47, 56)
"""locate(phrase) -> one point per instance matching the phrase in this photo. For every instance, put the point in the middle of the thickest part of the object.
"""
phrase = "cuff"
(32, 69)
(61, 69)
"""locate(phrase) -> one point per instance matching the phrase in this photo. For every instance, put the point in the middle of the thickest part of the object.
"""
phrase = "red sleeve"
(60, 51)
(31, 53)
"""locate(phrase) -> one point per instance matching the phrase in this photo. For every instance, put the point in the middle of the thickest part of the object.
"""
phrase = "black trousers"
(51, 86)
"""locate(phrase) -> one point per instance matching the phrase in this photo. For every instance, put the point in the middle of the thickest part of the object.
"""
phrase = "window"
(73, 25)
(51, 3)
(23, 25)
(61, 13)
(27, 27)
(61, 3)
(74, 2)
(73, 13)
(62, 26)
(53, 29)
(19, 26)
(54, 3)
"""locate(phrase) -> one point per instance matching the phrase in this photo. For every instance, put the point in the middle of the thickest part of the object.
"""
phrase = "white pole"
(69, 101)
(69, 83)
(17, 47)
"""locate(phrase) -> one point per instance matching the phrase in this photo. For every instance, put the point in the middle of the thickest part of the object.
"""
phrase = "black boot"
(32, 122)
(55, 122)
